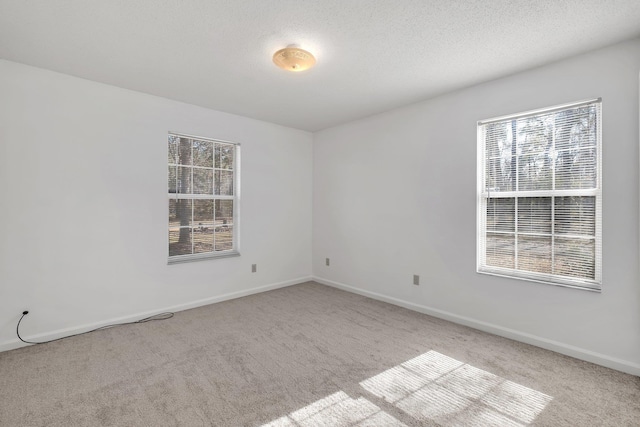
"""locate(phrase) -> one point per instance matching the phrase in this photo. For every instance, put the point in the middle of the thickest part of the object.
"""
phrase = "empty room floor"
(306, 355)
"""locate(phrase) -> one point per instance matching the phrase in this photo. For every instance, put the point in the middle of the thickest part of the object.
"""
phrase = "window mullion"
(193, 211)
(514, 141)
(193, 245)
(215, 234)
(576, 192)
(553, 234)
(553, 198)
(213, 191)
(515, 248)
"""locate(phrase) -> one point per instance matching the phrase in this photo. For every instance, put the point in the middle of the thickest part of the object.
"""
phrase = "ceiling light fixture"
(292, 58)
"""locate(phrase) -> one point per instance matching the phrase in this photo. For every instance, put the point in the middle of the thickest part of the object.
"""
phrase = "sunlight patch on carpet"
(436, 387)
(340, 410)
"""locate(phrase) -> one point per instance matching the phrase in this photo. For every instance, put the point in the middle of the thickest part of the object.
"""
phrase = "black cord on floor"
(160, 316)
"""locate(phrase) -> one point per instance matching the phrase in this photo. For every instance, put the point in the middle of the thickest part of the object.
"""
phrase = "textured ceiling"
(372, 55)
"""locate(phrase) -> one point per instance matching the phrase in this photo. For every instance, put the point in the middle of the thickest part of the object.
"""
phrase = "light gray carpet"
(306, 355)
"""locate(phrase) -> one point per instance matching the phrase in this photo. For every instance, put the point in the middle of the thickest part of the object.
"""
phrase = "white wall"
(394, 195)
(83, 212)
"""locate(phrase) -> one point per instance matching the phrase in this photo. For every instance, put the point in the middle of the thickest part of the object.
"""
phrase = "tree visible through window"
(539, 195)
(202, 197)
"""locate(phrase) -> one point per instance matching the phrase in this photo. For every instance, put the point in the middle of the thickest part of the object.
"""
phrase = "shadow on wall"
(430, 387)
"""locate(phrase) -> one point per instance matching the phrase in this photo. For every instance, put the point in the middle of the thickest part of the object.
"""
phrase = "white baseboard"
(558, 347)
(46, 336)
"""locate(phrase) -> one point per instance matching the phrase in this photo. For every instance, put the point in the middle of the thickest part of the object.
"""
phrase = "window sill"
(591, 287)
(180, 259)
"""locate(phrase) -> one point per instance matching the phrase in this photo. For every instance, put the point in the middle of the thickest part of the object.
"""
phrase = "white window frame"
(235, 250)
(483, 195)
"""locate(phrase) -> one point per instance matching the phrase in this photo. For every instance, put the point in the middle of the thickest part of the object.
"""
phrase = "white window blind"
(540, 195)
(203, 198)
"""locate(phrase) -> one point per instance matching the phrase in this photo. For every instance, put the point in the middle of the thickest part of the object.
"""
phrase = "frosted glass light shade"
(294, 59)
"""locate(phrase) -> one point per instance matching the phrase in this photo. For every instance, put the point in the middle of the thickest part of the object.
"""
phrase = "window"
(540, 195)
(203, 198)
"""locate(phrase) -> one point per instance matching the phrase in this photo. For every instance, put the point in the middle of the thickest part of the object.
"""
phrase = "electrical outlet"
(327, 262)
(416, 280)
(254, 268)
